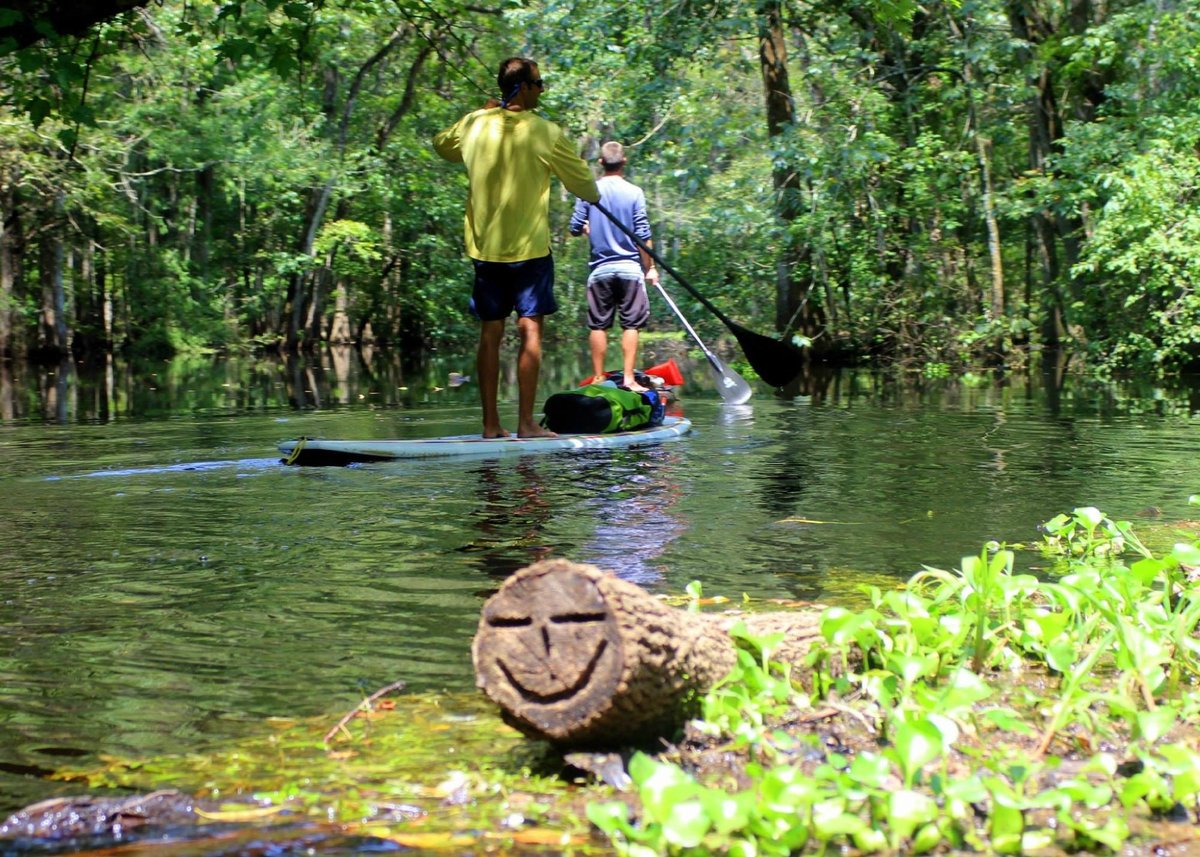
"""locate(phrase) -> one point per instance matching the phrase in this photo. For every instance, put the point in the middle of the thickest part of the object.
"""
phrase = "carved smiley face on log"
(547, 641)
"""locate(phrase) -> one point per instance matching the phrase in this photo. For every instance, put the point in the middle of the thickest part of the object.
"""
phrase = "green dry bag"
(596, 409)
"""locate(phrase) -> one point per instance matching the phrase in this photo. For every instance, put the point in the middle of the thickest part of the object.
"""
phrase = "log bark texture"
(581, 658)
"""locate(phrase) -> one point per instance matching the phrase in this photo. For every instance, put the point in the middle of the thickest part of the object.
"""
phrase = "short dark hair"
(612, 155)
(513, 72)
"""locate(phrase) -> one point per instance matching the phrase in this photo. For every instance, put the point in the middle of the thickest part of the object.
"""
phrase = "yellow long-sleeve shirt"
(509, 156)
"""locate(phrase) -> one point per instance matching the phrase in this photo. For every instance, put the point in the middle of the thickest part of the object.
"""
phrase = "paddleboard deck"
(317, 452)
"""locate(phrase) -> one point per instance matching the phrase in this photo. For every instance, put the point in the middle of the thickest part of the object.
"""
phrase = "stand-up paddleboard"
(341, 452)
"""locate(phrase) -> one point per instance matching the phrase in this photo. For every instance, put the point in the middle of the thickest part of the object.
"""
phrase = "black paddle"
(775, 361)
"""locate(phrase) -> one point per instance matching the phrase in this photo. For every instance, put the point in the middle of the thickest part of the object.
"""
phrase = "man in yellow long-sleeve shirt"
(509, 153)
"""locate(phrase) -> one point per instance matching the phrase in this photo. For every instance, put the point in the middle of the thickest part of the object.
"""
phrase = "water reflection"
(635, 518)
(510, 518)
(611, 508)
(113, 389)
(733, 414)
(816, 382)
(340, 376)
(200, 586)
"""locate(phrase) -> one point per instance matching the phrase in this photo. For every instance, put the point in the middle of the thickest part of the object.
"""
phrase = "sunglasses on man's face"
(539, 83)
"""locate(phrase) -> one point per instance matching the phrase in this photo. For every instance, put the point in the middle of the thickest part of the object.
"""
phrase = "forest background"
(944, 184)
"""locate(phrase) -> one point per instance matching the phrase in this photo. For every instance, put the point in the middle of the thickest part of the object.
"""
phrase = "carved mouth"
(585, 676)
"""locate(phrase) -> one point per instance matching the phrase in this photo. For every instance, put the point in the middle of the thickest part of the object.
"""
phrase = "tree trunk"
(8, 411)
(303, 299)
(300, 294)
(983, 156)
(9, 260)
(581, 658)
(995, 263)
(339, 327)
(791, 290)
(1033, 23)
(205, 181)
(53, 336)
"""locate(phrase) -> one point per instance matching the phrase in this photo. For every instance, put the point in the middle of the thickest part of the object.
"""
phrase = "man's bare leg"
(598, 340)
(629, 346)
(487, 370)
(529, 365)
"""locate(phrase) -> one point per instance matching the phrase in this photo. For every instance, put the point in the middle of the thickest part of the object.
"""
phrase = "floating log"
(581, 658)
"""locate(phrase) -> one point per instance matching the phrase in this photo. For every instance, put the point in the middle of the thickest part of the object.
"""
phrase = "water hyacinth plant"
(993, 710)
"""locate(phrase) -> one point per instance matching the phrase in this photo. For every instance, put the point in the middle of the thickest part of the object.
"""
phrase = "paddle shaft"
(712, 358)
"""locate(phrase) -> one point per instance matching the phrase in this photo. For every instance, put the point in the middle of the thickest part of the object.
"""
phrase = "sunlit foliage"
(959, 183)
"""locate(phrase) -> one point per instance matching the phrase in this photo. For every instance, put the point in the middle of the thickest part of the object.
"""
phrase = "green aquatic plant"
(1088, 532)
(970, 681)
(755, 690)
(992, 601)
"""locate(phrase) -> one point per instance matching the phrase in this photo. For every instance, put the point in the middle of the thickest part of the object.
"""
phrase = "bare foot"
(536, 431)
(493, 433)
(634, 385)
(597, 379)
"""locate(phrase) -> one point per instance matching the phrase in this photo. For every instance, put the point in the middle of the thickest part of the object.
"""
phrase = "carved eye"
(510, 621)
(578, 617)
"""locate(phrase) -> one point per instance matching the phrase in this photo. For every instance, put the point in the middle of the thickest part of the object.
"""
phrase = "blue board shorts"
(525, 287)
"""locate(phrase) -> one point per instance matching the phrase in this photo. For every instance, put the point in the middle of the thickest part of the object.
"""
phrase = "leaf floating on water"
(685, 599)
(430, 840)
(541, 836)
(249, 814)
(792, 603)
(810, 521)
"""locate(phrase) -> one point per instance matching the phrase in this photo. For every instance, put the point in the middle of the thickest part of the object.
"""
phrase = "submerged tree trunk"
(581, 658)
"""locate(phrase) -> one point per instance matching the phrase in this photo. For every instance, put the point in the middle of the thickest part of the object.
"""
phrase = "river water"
(166, 584)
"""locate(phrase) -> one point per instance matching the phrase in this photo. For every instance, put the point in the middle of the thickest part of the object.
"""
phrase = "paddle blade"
(731, 386)
(776, 362)
(668, 371)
